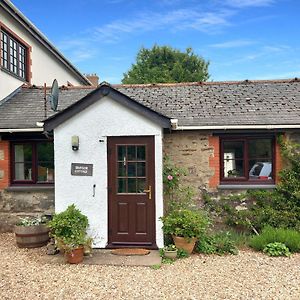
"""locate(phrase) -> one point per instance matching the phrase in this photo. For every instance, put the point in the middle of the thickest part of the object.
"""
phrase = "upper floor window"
(247, 159)
(13, 55)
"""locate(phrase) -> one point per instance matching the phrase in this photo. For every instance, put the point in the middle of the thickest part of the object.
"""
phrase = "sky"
(242, 39)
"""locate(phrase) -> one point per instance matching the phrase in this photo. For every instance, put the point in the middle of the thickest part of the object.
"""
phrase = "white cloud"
(233, 44)
(248, 3)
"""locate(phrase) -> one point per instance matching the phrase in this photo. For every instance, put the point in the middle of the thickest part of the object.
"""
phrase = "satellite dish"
(53, 97)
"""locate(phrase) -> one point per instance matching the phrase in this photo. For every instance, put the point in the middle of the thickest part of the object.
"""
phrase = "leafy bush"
(69, 227)
(277, 249)
(289, 237)
(185, 223)
(181, 253)
(220, 243)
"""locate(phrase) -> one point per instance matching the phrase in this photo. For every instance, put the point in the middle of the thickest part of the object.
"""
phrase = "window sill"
(30, 188)
(246, 186)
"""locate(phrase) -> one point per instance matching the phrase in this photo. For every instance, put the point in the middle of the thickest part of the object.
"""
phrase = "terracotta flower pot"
(75, 256)
(184, 243)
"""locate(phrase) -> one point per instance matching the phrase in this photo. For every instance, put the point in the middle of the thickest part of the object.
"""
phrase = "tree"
(163, 64)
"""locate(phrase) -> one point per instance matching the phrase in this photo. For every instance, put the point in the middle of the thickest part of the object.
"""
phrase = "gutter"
(13, 130)
(11, 9)
(230, 127)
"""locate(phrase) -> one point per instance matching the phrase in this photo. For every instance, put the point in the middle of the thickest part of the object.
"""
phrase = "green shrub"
(186, 223)
(277, 249)
(220, 243)
(181, 253)
(289, 237)
(69, 228)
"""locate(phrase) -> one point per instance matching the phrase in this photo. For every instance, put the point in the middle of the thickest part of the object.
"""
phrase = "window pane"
(233, 168)
(131, 153)
(141, 169)
(23, 153)
(260, 170)
(233, 149)
(121, 185)
(141, 152)
(131, 185)
(46, 171)
(141, 185)
(260, 148)
(23, 171)
(121, 169)
(131, 169)
(121, 152)
(233, 159)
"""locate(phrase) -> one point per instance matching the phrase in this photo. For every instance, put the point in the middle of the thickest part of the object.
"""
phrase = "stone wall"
(193, 151)
(21, 202)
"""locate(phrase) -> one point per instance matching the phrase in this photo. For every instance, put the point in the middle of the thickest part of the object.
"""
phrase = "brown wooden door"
(131, 192)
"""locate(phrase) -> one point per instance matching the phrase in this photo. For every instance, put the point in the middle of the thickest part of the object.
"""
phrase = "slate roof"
(274, 102)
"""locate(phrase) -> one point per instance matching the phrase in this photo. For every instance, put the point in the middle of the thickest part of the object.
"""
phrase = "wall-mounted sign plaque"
(81, 169)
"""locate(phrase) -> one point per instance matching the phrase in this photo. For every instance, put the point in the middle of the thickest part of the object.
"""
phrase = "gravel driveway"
(249, 275)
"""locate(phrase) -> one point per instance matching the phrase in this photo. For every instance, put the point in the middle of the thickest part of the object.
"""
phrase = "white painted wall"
(102, 119)
(45, 66)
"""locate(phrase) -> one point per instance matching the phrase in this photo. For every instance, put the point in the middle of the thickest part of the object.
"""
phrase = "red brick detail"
(5, 165)
(278, 162)
(214, 161)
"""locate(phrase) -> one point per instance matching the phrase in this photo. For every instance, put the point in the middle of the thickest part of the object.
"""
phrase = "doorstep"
(104, 257)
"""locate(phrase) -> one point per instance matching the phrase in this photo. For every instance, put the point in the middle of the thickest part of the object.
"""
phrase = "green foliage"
(69, 228)
(289, 237)
(185, 223)
(181, 253)
(219, 243)
(165, 64)
(156, 267)
(32, 221)
(170, 247)
(277, 249)
(176, 195)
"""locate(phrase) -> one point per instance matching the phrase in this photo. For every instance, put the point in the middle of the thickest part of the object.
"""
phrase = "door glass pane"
(141, 185)
(141, 152)
(131, 185)
(121, 169)
(121, 185)
(260, 170)
(260, 148)
(141, 169)
(131, 169)
(121, 152)
(131, 152)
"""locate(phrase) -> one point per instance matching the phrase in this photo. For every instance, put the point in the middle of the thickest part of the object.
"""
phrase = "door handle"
(149, 191)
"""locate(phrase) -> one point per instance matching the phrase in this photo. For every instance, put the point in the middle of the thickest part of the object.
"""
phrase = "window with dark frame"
(32, 162)
(13, 55)
(247, 159)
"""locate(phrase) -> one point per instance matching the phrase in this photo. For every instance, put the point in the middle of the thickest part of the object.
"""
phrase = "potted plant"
(31, 232)
(185, 226)
(170, 251)
(69, 230)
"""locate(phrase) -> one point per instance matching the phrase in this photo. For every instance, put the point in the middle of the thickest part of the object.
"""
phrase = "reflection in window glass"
(45, 162)
(23, 162)
(131, 168)
(233, 159)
